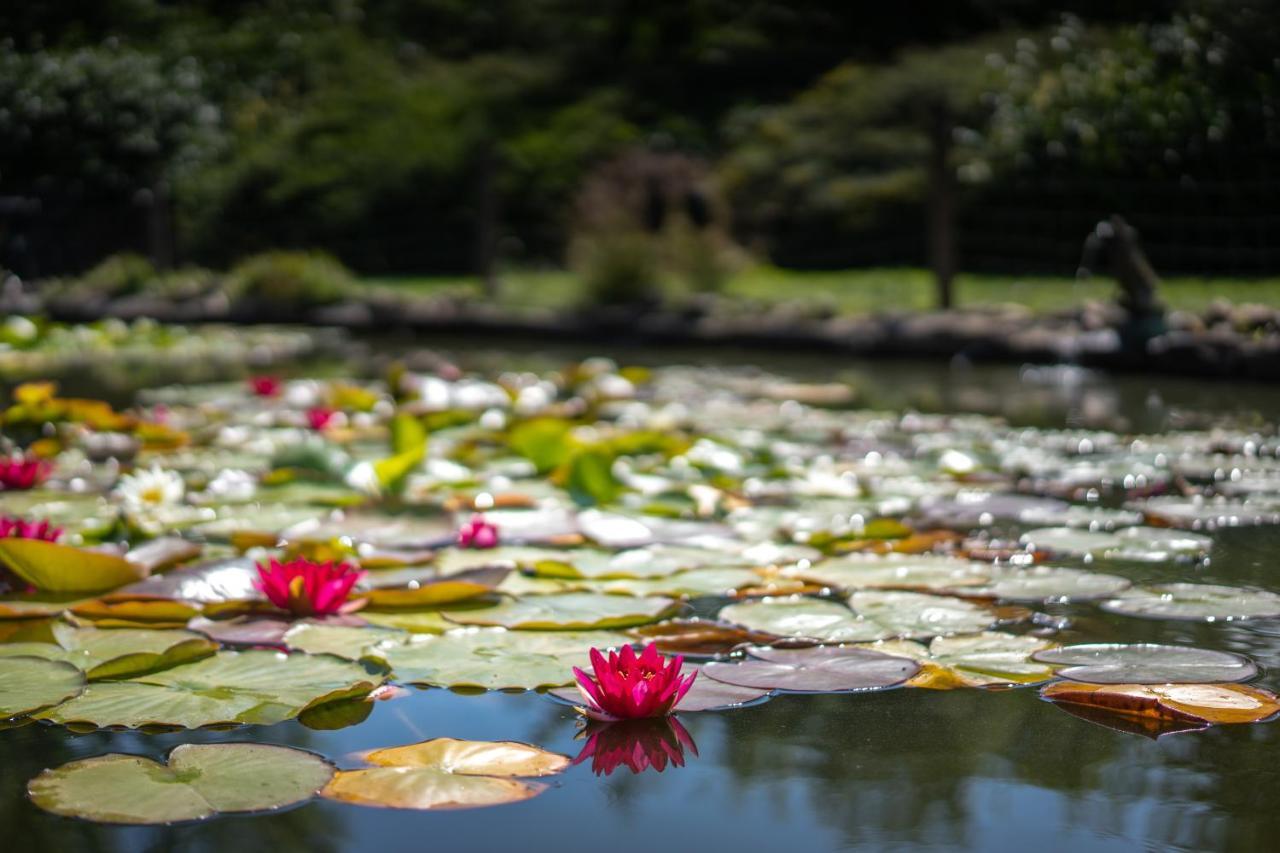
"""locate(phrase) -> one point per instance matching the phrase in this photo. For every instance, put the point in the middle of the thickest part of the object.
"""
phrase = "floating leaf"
(1147, 663)
(114, 611)
(446, 774)
(700, 636)
(1185, 705)
(1195, 602)
(495, 659)
(211, 582)
(821, 669)
(471, 757)
(259, 687)
(163, 553)
(1044, 583)
(339, 640)
(916, 615)
(50, 567)
(801, 617)
(570, 611)
(199, 781)
(974, 660)
(1143, 544)
(914, 573)
(425, 789)
(118, 653)
(702, 582)
(433, 591)
(32, 683)
(649, 562)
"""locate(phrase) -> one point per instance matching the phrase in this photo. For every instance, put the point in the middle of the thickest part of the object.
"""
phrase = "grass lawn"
(864, 290)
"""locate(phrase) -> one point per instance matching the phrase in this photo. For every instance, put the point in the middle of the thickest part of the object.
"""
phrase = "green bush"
(291, 278)
(118, 275)
(618, 267)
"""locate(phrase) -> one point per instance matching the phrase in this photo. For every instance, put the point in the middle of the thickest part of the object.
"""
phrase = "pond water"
(901, 769)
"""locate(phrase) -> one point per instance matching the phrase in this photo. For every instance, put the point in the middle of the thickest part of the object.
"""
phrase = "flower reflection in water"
(638, 745)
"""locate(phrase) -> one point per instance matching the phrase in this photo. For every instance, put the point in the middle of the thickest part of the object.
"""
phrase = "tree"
(104, 123)
(865, 140)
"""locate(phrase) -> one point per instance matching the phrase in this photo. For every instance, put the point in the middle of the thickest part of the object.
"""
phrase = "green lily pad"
(820, 669)
(50, 567)
(892, 572)
(338, 640)
(693, 584)
(915, 615)
(198, 782)
(32, 683)
(495, 659)
(1043, 583)
(260, 687)
(978, 660)
(1138, 544)
(806, 618)
(1147, 663)
(1195, 602)
(649, 562)
(570, 611)
(117, 653)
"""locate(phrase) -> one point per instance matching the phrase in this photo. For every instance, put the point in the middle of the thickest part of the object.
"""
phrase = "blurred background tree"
(439, 136)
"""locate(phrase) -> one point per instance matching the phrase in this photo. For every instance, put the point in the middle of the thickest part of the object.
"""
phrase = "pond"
(807, 454)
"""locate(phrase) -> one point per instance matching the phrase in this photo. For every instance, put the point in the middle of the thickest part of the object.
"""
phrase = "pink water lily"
(18, 473)
(17, 528)
(265, 386)
(628, 686)
(320, 417)
(638, 745)
(477, 533)
(307, 588)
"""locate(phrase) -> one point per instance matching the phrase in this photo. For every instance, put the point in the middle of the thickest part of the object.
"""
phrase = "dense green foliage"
(421, 135)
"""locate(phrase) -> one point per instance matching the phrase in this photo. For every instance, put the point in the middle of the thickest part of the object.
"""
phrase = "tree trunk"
(941, 205)
(487, 214)
(160, 241)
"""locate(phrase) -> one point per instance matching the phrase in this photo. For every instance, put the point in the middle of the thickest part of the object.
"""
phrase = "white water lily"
(150, 487)
(231, 485)
(363, 477)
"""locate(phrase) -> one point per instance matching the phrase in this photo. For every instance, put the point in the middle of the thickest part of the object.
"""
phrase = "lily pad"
(1044, 583)
(260, 687)
(198, 782)
(211, 582)
(446, 774)
(1138, 544)
(50, 567)
(1195, 704)
(342, 641)
(117, 653)
(974, 660)
(821, 669)
(495, 659)
(472, 757)
(916, 615)
(805, 618)
(914, 573)
(1195, 602)
(32, 683)
(570, 611)
(425, 589)
(1147, 663)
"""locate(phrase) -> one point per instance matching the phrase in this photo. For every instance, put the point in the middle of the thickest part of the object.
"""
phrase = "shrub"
(118, 275)
(291, 278)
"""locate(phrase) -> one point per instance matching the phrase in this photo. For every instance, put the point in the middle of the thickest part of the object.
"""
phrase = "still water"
(899, 770)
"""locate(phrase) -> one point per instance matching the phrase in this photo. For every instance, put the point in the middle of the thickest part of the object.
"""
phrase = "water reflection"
(638, 745)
